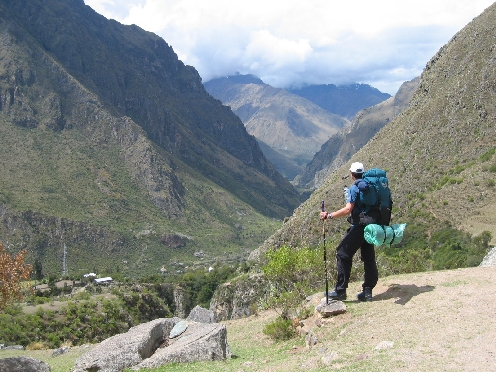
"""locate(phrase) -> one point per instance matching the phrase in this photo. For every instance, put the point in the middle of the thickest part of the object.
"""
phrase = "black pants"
(352, 241)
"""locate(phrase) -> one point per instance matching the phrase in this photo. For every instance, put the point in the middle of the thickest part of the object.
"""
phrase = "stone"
(329, 358)
(148, 346)
(126, 349)
(329, 309)
(311, 340)
(201, 315)
(385, 345)
(13, 347)
(178, 329)
(23, 364)
(60, 351)
(200, 342)
(490, 259)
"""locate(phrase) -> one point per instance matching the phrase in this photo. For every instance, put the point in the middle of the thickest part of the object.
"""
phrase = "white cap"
(357, 168)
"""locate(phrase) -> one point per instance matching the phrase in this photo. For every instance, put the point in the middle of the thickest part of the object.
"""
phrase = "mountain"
(342, 145)
(343, 100)
(289, 124)
(439, 153)
(114, 157)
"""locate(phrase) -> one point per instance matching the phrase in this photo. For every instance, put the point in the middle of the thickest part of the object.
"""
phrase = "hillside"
(343, 100)
(114, 156)
(342, 145)
(439, 153)
(291, 125)
(434, 321)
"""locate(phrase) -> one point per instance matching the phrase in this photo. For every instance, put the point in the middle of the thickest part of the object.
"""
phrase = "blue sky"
(294, 42)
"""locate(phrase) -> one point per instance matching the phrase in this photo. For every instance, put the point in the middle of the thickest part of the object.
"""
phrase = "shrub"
(294, 273)
(488, 155)
(36, 346)
(280, 329)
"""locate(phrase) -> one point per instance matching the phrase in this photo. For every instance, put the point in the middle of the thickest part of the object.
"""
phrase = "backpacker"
(375, 196)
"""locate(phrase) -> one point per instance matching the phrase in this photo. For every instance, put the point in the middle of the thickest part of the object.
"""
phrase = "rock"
(384, 345)
(200, 342)
(332, 308)
(311, 340)
(148, 346)
(201, 315)
(179, 329)
(329, 358)
(234, 300)
(23, 364)
(490, 259)
(13, 347)
(60, 351)
(126, 349)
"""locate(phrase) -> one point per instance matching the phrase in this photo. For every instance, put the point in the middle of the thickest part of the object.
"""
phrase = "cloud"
(382, 43)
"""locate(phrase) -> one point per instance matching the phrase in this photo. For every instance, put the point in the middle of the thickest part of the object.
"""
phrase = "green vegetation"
(296, 273)
(293, 273)
(90, 313)
(280, 329)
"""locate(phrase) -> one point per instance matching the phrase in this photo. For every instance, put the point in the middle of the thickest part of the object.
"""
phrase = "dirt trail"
(432, 321)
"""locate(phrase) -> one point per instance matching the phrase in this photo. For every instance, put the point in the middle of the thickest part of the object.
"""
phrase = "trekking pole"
(325, 256)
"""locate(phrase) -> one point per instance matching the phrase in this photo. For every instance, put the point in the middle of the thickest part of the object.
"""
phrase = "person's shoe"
(365, 295)
(337, 296)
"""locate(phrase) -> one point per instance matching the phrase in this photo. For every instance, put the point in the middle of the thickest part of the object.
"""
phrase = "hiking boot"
(337, 296)
(365, 295)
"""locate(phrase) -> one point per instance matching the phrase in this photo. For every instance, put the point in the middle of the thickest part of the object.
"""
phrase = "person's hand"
(323, 215)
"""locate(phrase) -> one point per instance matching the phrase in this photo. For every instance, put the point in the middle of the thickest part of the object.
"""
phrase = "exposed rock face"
(234, 300)
(23, 364)
(490, 259)
(291, 126)
(149, 345)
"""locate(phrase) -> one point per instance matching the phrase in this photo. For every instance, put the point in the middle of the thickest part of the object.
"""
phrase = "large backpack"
(375, 195)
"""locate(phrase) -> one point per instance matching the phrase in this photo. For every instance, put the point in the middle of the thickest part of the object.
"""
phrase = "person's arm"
(345, 211)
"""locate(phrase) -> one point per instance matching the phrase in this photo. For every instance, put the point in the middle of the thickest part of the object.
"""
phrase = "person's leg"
(344, 256)
(371, 275)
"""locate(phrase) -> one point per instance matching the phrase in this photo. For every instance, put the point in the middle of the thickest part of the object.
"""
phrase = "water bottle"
(346, 192)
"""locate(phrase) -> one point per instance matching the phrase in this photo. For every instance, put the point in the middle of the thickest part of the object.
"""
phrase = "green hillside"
(439, 153)
(114, 156)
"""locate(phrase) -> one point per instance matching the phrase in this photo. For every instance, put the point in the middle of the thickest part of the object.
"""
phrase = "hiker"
(352, 241)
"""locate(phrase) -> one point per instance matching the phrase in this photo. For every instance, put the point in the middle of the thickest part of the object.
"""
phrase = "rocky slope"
(342, 145)
(289, 124)
(439, 153)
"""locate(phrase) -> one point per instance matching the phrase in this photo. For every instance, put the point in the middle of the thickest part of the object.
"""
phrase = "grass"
(60, 363)
(416, 322)
(58, 174)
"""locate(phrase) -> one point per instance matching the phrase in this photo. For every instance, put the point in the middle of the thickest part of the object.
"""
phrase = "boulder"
(149, 345)
(200, 342)
(126, 349)
(201, 315)
(23, 364)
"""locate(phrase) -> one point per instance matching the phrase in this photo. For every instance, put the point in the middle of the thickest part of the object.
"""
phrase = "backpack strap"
(385, 233)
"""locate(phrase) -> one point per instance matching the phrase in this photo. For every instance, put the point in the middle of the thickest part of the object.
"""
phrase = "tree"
(38, 269)
(13, 271)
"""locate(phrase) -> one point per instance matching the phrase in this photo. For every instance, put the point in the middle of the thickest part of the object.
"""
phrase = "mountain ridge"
(110, 146)
(341, 146)
(438, 153)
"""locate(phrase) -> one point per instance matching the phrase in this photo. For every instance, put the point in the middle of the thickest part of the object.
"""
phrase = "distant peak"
(241, 79)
